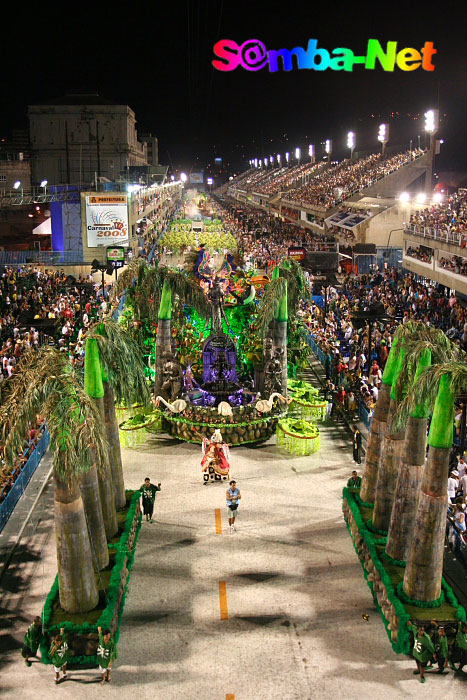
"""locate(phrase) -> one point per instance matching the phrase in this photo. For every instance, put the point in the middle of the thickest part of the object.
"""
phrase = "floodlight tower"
(287, 157)
(328, 148)
(298, 154)
(351, 142)
(431, 127)
(383, 137)
(311, 152)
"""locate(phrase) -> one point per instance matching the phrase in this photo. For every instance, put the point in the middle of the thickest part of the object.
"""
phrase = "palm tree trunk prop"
(410, 475)
(76, 579)
(111, 427)
(94, 388)
(89, 487)
(393, 443)
(378, 428)
(280, 331)
(424, 570)
(164, 333)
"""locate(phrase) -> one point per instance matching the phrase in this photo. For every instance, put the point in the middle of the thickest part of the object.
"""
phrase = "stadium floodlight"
(311, 150)
(44, 183)
(383, 133)
(210, 181)
(437, 198)
(432, 120)
(421, 197)
(265, 161)
(271, 159)
(183, 177)
(231, 178)
(17, 185)
(172, 177)
(278, 158)
(297, 153)
(287, 156)
(328, 146)
(351, 142)
(404, 197)
(256, 162)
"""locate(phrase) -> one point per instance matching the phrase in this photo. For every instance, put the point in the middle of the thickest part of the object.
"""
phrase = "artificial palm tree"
(123, 379)
(393, 442)
(423, 573)
(46, 383)
(94, 388)
(378, 427)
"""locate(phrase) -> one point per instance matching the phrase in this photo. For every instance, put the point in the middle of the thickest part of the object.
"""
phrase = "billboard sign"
(196, 178)
(296, 253)
(107, 220)
(116, 256)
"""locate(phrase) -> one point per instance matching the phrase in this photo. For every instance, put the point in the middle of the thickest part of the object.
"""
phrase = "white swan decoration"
(264, 406)
(224, 409)
(177, 406)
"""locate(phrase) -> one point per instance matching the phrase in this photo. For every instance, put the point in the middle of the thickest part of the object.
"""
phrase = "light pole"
(431, 127)
(311, 152)
(298, 154)
(383, 137)
(351, 142)
(328, 148)
(287, 157)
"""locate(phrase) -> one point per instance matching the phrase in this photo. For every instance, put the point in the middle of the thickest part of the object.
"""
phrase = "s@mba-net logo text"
(252, 55)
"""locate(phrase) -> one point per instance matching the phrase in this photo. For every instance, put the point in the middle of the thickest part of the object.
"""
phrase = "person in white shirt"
(453, 482)
(461, 467)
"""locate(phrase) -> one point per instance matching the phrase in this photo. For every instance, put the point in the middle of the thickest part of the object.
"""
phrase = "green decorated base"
(81, 628)
(384, 577)
(233, 433)
(298, 436)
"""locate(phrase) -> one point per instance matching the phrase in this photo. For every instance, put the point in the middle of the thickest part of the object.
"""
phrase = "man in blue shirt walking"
(233, 497)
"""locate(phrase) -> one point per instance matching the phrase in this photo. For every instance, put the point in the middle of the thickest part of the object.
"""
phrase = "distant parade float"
(223, 361)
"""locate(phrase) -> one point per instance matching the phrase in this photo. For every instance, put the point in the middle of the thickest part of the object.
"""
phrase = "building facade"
(82, 139)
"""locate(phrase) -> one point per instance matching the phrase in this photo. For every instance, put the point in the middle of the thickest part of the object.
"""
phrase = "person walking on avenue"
(355, 481)
(59, 654)
(32, 639)
(357, 445)
(148, 494)
(106, 653)
(233, 497)
(441, 647)
(422, 651)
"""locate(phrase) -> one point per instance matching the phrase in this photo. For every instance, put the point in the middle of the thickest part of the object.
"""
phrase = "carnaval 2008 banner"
(107, 220)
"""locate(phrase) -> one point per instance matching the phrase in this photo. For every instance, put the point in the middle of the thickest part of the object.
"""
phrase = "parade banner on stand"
(107, 220)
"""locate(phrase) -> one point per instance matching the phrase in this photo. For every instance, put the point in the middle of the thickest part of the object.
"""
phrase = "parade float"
(219, 348)
(397, 520)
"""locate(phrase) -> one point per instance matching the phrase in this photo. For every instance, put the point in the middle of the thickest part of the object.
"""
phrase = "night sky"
(159, 62)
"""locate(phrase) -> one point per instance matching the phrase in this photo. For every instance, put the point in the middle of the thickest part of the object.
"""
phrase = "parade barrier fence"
(83, 637)
(8, 505)
(384, 576)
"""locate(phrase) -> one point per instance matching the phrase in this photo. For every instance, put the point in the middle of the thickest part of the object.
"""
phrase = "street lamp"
(183, 177)
(210, 182)
(383, 137)
(17, 185)
(351, 142)
(44, 183)
(311, 152)
(298, 154)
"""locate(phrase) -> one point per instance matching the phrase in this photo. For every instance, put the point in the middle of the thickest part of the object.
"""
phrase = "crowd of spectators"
(285, 178)
(9, 474)
(421, 252)
(341, 180)
(454, 264)
(444, 221)
(265, 239)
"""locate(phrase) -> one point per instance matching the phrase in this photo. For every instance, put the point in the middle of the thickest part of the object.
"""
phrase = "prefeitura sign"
(116, 256)
(107, 220)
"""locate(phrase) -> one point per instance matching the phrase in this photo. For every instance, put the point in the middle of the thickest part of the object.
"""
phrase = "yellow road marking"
(218, 521)
(230, 696)
(223, 600)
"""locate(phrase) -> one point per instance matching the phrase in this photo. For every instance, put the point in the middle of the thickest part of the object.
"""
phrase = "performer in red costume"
(216, 455)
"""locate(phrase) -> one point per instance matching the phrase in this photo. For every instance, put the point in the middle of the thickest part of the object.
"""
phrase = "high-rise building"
(81, 139)
(152, 146)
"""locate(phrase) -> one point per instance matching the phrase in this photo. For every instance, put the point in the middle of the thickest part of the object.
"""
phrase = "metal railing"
(435, 234)
(18, 488)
